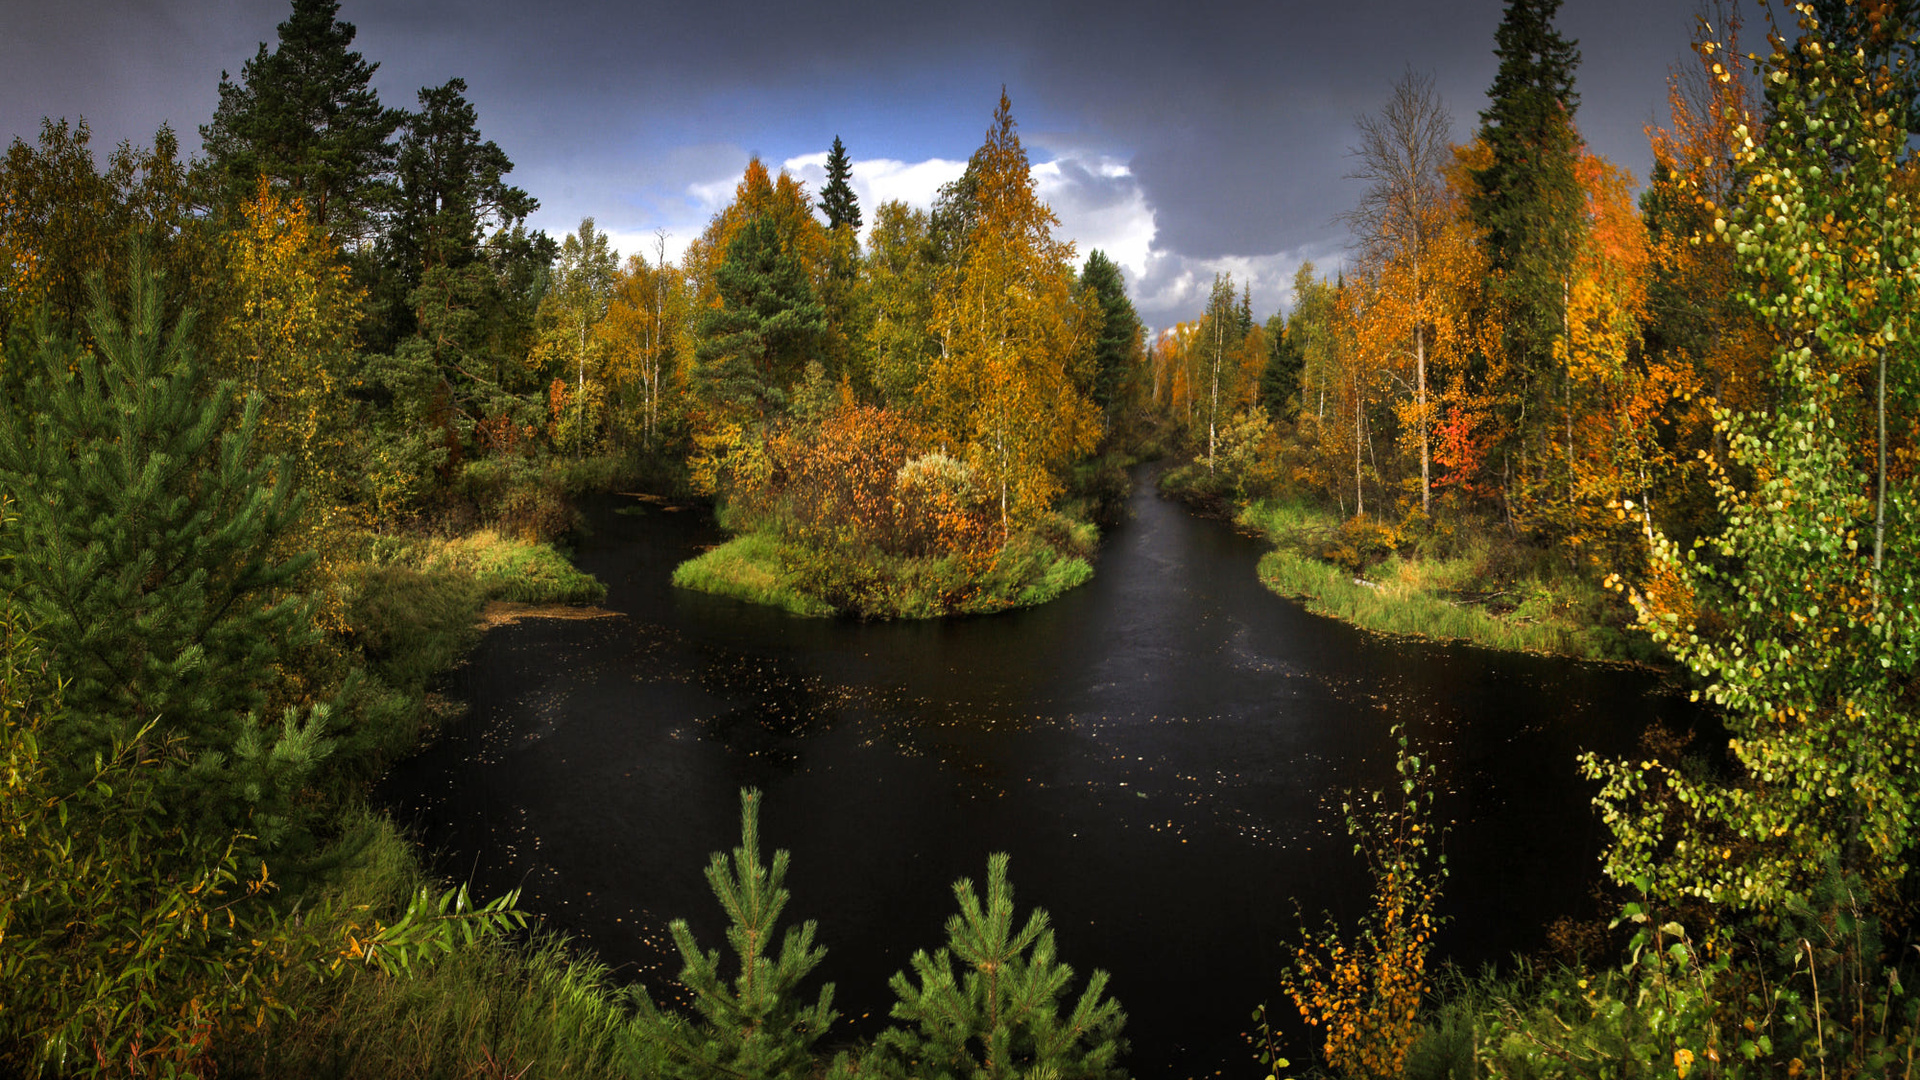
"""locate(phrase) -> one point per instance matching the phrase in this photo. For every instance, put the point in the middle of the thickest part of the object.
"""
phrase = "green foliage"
(1798, 615)
(493, 1006)
(146, 549)
(409, 624)
(1000, 1018)
(1117, 346)
(836, 197)
(1461, 589)
(750, 567)
(751, 349)
(1529, 201)
(754, 1026)
(126, 937)
(1810, 996)
(306, 116)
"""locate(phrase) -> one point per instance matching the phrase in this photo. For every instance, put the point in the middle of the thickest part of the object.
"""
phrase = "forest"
(280, 420)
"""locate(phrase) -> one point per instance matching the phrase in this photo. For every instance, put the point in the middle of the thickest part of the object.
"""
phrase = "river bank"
(1474, 589)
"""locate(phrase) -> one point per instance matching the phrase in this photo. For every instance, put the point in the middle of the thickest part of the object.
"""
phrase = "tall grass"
(761, 568)
(492, 1008)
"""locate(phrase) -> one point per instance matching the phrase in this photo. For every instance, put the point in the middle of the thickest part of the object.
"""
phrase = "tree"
(1219, 337)
(1526, 199)
(118, 946)
(1011, 333)
(645, 316)
(1280, 379)
(453, 190)
(1399, 221)
(62, 220)
(899, 284)
(1000, 1018)
(1364, 990)
(576, 301)
(756, 1026)
(1798, 613)
(837, 198)
(753, 347)
(1118, 342)
(146, 547)
(1695, 320)
(306, 116)
(288, 333)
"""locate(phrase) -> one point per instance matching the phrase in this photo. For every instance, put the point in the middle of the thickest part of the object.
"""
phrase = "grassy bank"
(750, 567)
(492, 1006)
(1401, 581)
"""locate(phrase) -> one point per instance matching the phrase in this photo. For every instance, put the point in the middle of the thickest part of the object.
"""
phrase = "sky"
(1183, 139)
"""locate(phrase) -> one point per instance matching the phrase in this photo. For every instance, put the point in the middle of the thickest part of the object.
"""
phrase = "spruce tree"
(1114, 348)
(837, 197)
(1280, 379)
(755, 345)
(756, 1026)
(145, 547)
(306, 116)
(1528, 198)
(1000, 1018)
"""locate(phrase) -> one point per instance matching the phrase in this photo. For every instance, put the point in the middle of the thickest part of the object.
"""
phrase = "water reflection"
(1154, 749)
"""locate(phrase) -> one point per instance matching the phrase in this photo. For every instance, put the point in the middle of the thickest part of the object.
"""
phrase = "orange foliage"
(862, 479)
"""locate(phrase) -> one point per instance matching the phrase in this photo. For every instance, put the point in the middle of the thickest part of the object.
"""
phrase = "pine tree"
(756, 1026)
(1000, 1018)
(306, 116)
(144, 551)
(837, 197)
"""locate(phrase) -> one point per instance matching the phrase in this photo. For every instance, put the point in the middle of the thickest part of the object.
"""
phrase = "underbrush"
(491, 1007)
(1422, 580)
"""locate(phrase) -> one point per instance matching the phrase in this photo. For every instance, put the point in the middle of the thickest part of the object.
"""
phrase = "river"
(1161, 751)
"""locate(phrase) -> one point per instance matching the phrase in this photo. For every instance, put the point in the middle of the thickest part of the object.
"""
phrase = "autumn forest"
(285, 422)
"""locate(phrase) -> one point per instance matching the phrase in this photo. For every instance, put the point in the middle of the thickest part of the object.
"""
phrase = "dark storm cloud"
(1233, 118)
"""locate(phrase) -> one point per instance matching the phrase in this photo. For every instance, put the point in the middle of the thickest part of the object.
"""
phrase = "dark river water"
(1161, 752)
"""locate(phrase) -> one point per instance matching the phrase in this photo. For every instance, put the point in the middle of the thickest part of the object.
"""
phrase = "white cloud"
(1175, 287)
(1100, 205)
